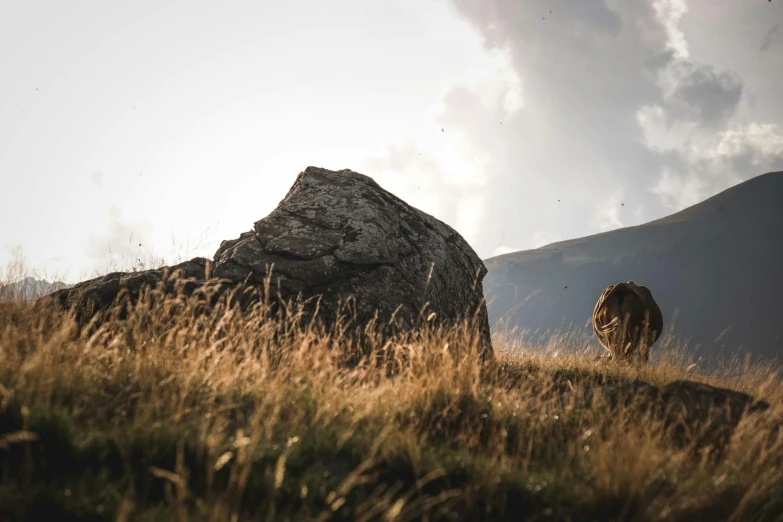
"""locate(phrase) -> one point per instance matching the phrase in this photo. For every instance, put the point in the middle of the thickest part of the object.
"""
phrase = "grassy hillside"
(173, 415)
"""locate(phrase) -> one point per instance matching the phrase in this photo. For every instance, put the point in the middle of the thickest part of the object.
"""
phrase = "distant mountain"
(719, 263)
(28, 289)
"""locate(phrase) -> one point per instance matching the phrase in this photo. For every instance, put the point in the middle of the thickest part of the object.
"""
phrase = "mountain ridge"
(724, 251)
(29, 288)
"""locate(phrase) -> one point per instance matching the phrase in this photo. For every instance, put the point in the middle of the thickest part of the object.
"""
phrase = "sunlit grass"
(171, 414)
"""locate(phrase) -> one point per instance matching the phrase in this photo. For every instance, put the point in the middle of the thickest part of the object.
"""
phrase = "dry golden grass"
(174, 415)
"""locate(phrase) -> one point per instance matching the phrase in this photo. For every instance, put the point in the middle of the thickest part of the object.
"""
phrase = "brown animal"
(627, 321)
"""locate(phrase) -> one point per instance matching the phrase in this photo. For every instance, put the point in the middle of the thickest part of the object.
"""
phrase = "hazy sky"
(173, 125)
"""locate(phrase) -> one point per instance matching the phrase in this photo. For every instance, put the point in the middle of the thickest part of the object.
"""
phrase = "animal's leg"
(644, 353)
(627, 351)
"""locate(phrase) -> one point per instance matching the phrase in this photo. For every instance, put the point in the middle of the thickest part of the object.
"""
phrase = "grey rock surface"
(340, 237)
(95, 295)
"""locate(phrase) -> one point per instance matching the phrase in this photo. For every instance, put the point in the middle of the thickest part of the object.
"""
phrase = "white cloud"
(678, 190)
(471, 208)
(658, 133)
(670, 12)
(764, 139)
(122, 246)
(495, 81)
(97, 178)
(503, 249)
(607, 210)
(722, 163)
(446, 173)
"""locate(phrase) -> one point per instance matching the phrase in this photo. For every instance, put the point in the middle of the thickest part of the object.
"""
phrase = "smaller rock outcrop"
(710, 414)
(695, 414)
(90, 297)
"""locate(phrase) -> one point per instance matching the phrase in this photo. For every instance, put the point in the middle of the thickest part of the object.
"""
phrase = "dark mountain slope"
(720, 263)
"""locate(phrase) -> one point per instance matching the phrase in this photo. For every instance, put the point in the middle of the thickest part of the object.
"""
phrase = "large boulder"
(339, 238)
